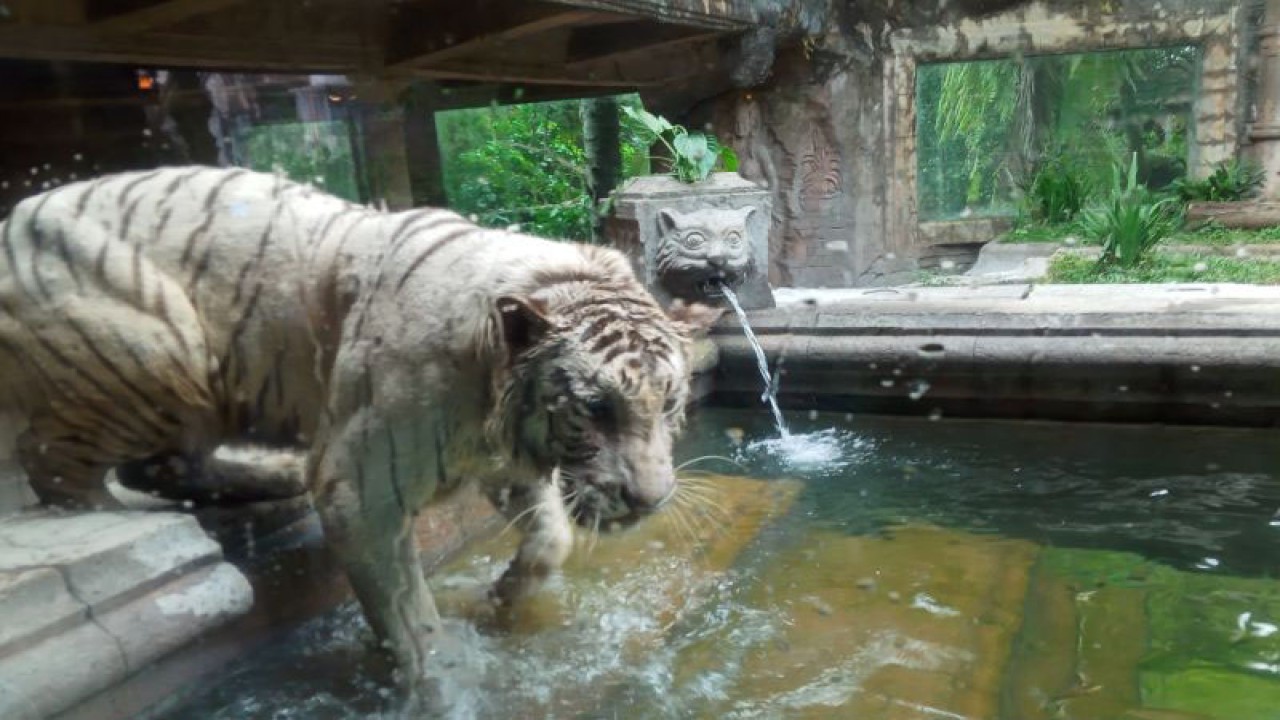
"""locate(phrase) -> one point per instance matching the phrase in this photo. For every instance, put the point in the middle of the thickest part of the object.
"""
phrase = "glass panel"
(984, 126)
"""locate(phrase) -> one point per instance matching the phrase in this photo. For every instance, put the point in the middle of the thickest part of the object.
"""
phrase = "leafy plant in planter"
(1131, 220)
(1230, 181)
(694, 155)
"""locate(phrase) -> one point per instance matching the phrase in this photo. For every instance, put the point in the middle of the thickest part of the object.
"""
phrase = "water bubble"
(1200, 267)
(1208, 563)
(146, 132)
(948, 264)
(813, 414)
(886, 383)
(918, 389)
(848, 417)
(78, 157)
(1212, 467)
(4, 184)
(897, 371)
(1160, 493)
(1227, 394)
(1123, 389)
(735, 435)
(935, 414)
(1195, 368)
(35, 170)
(47, 166)
(872, 366)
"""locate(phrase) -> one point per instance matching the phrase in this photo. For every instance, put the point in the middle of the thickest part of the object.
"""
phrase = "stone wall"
(832, 132)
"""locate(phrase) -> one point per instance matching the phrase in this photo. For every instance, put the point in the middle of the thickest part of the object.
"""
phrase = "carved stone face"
(698, 251)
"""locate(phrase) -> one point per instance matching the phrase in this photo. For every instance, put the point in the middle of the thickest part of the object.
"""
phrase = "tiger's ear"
(523, 322)
(695, 319)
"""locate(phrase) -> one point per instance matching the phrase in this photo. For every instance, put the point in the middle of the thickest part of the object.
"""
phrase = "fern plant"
(1229, 181)
(694, 155)
(1131, 220)
(1055, 192)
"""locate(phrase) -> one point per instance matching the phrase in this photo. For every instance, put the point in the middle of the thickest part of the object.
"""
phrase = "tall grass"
(1131, 220)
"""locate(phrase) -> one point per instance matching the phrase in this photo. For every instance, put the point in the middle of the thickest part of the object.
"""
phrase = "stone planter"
(683, 240)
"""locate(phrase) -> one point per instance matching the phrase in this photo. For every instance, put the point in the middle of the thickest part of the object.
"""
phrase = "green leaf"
(728, 159)
(652, 123)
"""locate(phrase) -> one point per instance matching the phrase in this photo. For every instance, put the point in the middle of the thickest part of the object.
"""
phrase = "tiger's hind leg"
(66, 471)
(230, 476)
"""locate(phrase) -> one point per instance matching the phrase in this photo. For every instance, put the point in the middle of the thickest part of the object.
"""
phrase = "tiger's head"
(597, 386)
(697, 251)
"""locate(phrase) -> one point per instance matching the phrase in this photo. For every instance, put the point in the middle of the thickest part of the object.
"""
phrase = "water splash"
(770, 395)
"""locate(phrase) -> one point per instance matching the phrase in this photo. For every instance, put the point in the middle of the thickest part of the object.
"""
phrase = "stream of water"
(770, 395)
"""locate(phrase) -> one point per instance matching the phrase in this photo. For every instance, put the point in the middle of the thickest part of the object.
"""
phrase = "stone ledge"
(89, 599)
(1186, 354)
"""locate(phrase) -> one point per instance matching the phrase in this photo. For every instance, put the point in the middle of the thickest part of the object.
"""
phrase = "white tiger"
(147, 318)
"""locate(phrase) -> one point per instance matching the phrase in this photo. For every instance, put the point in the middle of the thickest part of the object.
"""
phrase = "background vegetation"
(986, 127)
(527, 165)
(316, 153)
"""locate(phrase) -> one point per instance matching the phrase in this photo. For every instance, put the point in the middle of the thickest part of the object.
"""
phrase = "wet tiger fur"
(148, 318)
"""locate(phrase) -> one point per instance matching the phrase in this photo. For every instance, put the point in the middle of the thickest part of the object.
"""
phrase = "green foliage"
(1165, 268)
(1034, 232)
(1215, 234)
(526, 165)
(694, 155)
(1056, 192)
(1131, 220)
(1230, 180)
(316, 153)
(981, 125)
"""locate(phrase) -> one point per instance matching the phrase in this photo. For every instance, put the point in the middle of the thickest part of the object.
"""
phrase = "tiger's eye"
(694, 240)
(733, 239)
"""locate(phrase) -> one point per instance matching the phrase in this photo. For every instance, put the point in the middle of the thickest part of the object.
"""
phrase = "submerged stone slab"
(914, 624)
(88, 599)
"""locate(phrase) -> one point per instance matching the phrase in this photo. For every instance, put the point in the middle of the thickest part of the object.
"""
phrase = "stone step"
(89, 599)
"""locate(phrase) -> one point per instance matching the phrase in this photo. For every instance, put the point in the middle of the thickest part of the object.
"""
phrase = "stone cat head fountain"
(687, 240)
(700, 251)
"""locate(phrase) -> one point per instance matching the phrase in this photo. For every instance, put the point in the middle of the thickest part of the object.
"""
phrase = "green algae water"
(870, 568)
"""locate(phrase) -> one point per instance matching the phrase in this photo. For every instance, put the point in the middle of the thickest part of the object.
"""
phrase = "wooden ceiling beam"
(165, 13)
(86, 44)
(598, 46)
(526, 75)
(421, 37)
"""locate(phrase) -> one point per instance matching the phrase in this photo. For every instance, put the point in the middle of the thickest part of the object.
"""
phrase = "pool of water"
(870, 568)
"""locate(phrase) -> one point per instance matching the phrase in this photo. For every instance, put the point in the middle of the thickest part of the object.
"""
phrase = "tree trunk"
(601, 135)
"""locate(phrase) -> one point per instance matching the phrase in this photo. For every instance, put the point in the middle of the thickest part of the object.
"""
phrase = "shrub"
(1131, 220)
(693, 154)
(1055, 192)
(1230, 180)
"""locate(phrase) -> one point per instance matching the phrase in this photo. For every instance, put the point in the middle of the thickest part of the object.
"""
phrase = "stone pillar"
(1264, 133)
(422, 148)
(382, 141)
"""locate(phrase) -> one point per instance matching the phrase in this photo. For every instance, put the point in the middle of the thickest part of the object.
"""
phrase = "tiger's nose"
(648, 498)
